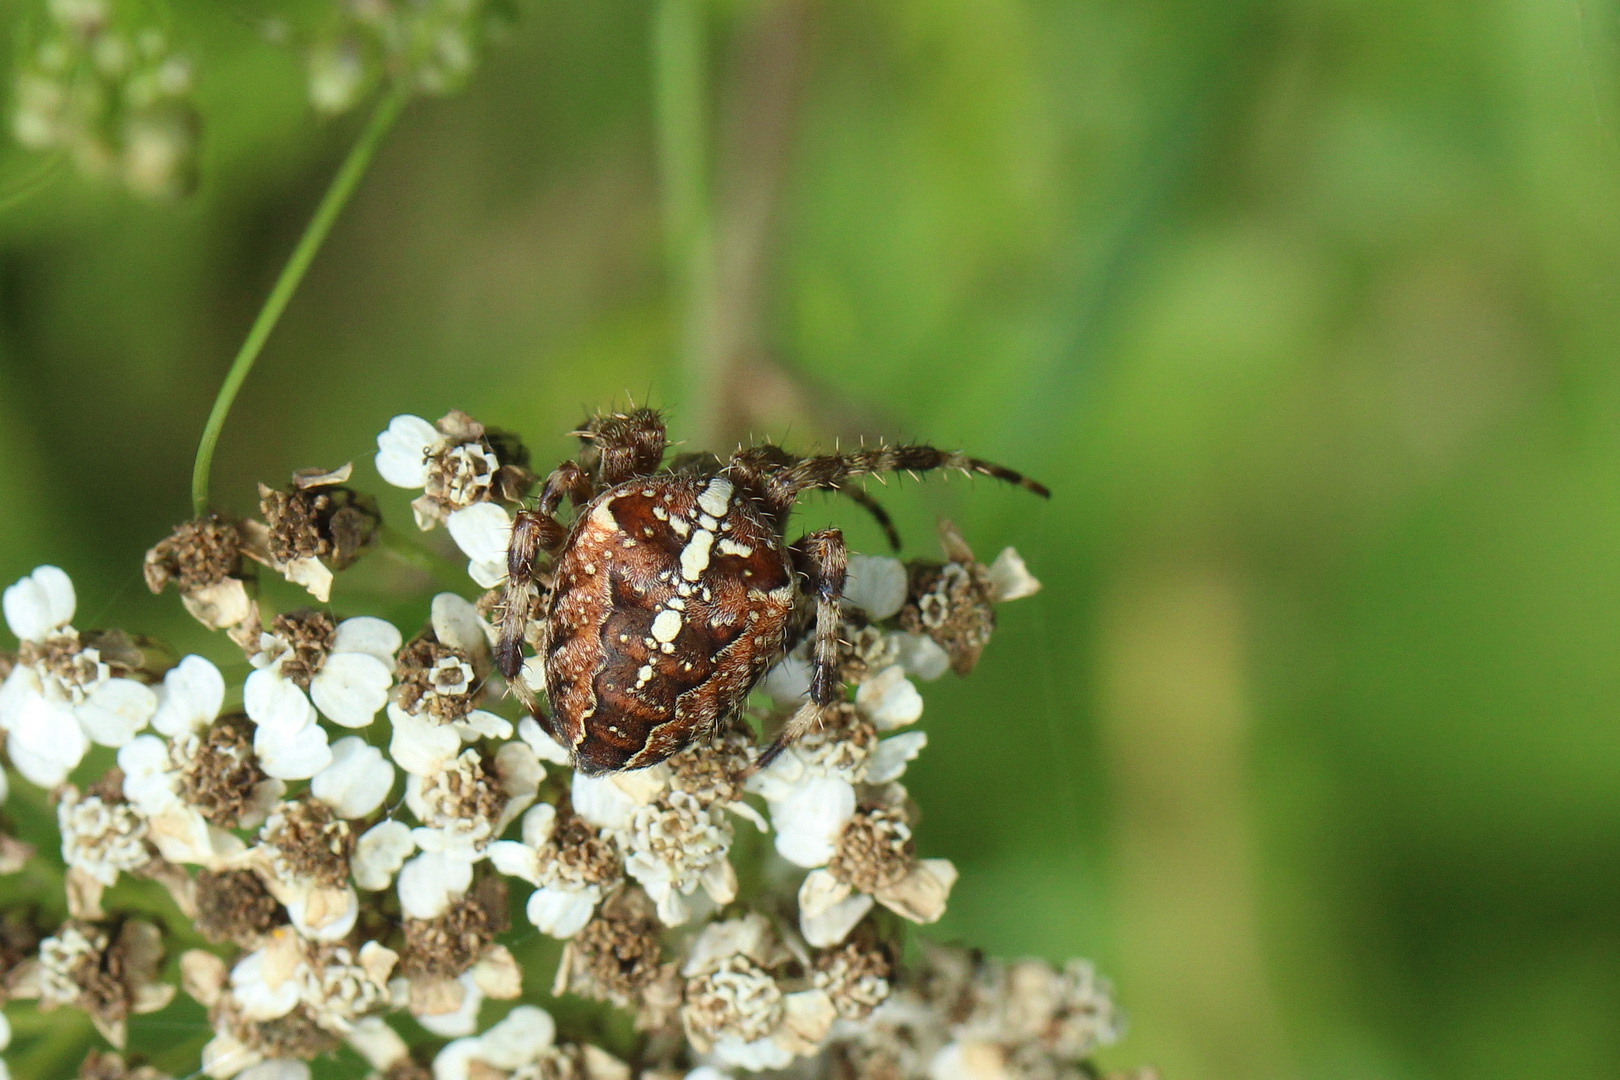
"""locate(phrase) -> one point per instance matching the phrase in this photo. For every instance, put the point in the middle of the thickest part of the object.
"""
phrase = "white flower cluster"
(104, 85)
(346, 822)
(432, 45)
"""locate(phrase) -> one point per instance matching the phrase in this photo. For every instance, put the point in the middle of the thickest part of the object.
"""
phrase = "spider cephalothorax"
(673, 589)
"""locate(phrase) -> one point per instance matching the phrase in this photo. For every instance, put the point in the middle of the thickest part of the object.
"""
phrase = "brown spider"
(672, 590)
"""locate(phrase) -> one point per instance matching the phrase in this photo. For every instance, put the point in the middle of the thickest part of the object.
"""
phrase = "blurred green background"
(1306, 310)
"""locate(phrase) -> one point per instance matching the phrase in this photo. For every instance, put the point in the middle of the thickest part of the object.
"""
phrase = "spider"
(673, 589)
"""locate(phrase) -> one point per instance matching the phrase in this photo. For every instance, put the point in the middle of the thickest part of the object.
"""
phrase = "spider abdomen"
(671, 597)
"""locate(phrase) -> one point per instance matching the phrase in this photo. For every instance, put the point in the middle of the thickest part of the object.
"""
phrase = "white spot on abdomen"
(695, 555)
(716, 498)
(666, 625)
(731, 547)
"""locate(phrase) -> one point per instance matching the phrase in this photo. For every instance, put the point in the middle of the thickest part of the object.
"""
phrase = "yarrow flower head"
(104, 83)
(66, 690)
(357, 882)
(468, 474)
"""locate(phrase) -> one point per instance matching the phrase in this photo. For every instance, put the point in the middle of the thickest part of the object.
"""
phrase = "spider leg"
(822, 559)
(830, 470)
(534, 533)
(567, 481)
(860, 498)
(623, 446)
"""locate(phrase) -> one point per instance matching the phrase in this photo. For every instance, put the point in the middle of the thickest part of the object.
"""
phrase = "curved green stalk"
(680, 68)
(332, 203)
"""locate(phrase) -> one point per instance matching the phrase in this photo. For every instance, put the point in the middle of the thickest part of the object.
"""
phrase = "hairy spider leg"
(823, 561)
(830, 470)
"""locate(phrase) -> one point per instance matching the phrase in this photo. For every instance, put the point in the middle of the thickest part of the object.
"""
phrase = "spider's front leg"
(623, 446)
(823, 561)
(534, 533)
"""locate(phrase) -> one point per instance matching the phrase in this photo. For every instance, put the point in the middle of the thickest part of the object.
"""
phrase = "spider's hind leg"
(823, 560)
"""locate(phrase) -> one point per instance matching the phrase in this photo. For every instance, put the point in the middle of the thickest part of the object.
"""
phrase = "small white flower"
(876, 584)
(482, 532)
(403, 451)
(888, 699)
(569, 881)
(349, 685)
(1009, 578)
(357, 781)
(62, 694)
(379, 854)
(432, 881)
(518, 1042)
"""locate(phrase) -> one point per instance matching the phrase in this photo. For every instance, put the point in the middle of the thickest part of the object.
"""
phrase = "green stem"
(680, 69)
(332, 203)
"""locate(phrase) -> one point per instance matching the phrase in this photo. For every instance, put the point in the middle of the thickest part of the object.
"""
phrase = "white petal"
(756, 1056)
(295, 754)
(272, 701)
(147, 780)
(22, 684)
(480, 724)
(455, 1060)
(520, 1038)
(403, 449)
(788, 681)
(808, 823)
(601, 802)
(39, 603)
(921, 895)
(46, 741)
(429, 883)
(515, 860)
(276, 1069)
(351, 688)
(379, 853)
(888, 762)
(116, 710)
(922, 656)
(1010, 579)
(418, 746)
(357, 781)
(487, 573)
(831, 924)
(324, 914)
(562, 913)
(379, 1044)
(263, 989)
(367, 634)
(538, 824)
(193, 692)
(876, 583)
(888, 699)
(464, 1021)
(545, 747)
(456, 623)
(481, 531)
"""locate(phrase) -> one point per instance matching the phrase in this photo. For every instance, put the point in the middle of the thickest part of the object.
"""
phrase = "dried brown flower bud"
(221, 779)
(84, 966)
(202, 558)
(235, 906)
(618, 953)
(446, 947)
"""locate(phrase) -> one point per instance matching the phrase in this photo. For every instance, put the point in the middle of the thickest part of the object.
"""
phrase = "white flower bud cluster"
(431, 44)
(104, 84)
(347, 825)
